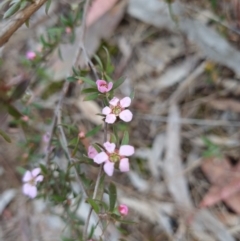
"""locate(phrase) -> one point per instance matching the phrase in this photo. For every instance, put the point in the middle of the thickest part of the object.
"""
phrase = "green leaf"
(5, 136)
(99, 62)
(132, 95)
(13, 9)
(125, 221)
(14, 112)
(93, 204)
(113, 138)
(71, 79)
(109, 66)
(91, 97)
(21, 170)
(87, 80)
(76, 148)
(112, 196)
(125, 139)
(89, 90)
(116, 134)
(27, 23)
(94, 131)
(117, 83)
(48, 4)
(43, 169)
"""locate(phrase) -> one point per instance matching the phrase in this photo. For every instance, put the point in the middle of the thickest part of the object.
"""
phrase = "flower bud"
(123, 209)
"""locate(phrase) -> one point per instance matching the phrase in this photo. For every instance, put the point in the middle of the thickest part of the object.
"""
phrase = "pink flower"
(112, 156)
(123, 209)
(31, 55)
(117, 108)
(92, 152)
(103, 86)
(30, 179)
(46, 137)
(81, 134)
(68, 30)
(25, 118)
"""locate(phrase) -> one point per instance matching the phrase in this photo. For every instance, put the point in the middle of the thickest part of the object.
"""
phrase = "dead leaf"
(90, 109)
(98, 9)
(226, 183)
(177, 184)
(225, 104)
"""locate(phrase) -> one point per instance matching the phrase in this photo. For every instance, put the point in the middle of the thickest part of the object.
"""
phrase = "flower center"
(116, 110)
(103, 85)
(32, 182)
(114, 157)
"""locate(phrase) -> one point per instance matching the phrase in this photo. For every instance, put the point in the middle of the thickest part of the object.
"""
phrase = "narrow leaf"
(71, 79)
(117, 83)
(89, 90)
(93, 204)
(132, 95)
(113, 138)
(99, 61)
(5, 136)
(14, 112)
(94, 131)
(48, 4)
(112, 196)
(91, 97)
(125, 139)
(13, 9)
(87, 80)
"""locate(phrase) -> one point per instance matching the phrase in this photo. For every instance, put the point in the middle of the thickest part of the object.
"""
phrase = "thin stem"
(96, 186)
(14, 24)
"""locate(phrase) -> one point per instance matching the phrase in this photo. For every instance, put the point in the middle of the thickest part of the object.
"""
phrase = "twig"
(19, 20)
(65, 147)
(189, 121)
(95, 188)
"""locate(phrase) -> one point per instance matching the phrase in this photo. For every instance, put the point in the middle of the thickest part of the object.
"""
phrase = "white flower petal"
(100, 158)
(109, 168)
(126, 115)
(27, 176)
(114, 101)
(110, 119)
(126, 150)
(124, 165)
(125, 102)
(110, 147)
(106, 110)
(36, 171)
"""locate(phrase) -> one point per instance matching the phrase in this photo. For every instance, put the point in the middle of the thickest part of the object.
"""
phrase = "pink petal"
(110, 85)
(124, 165)
(123, 209)
(125, 102)
(102, 86)
(39, 179)
(114, 101)
(106, 110)
(29, 190)
(100, 157)
(126, 150)
(92, 152)
(109, 168)
(30, 55)
(27, 176)
(100, 82)
(126, 115)
(110, 119)
(36, 171)
(110, 147)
